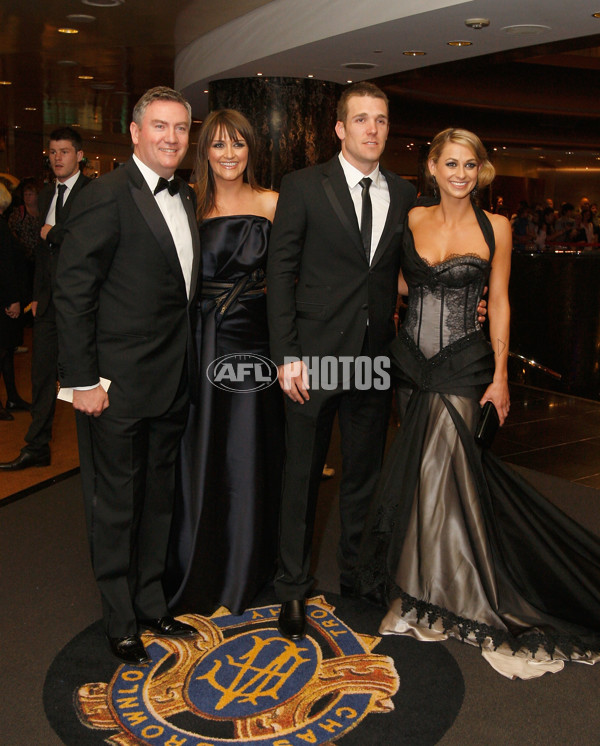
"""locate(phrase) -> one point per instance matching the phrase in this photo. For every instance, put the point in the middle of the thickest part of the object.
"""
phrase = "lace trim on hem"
(464, 628)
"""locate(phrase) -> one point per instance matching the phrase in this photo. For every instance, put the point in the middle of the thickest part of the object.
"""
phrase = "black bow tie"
(172, 186)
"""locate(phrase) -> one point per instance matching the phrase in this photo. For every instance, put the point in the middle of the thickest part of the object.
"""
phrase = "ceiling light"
(67, 30)
(5, 82)
(477, 23)
(414, 53)
(595, 15)
(85, 77)
(310, 75)
(30, 108)
(259, 74)
(459, 43)
(525, 29)
(80, 18)
(103, 3)
(359, 65)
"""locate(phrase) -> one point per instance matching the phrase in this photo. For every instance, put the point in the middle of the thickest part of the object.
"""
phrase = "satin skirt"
(460, 545)
(224, 533)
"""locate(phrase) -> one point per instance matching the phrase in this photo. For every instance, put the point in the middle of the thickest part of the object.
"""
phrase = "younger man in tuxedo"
(333, 265)
(125, 286)
(65, 151)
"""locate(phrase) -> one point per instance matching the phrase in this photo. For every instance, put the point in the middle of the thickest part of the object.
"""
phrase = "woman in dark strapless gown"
(224, 534)
(457, 543)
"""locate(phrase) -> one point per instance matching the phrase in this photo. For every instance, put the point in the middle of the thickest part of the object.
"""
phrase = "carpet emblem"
(273, 691)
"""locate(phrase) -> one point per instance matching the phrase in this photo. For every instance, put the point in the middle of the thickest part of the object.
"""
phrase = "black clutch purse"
(487, 425)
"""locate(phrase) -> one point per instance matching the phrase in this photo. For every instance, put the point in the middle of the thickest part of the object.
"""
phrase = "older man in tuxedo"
(125, 285)
(334, 258)
(65, 151)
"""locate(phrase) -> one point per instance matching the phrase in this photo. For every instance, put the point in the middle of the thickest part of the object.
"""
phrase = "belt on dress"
(225, 294)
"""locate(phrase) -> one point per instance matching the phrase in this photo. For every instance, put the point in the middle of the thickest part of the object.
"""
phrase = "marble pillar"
(294, 120)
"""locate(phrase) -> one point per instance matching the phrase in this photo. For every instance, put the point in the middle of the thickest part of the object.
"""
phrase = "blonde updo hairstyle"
(470, 140)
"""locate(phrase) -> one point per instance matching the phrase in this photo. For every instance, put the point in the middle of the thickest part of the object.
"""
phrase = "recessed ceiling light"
(67, 30)
(525, 29)
(460, 43)
(5, 82)
(30, 108)
(206, 90)
(103, 3)
(414, 53)
(310, 75)
(259, 74)
(80, 18)
(85, 77)
(359, 65)
(348, 81)
(477, 23)
(595, 15)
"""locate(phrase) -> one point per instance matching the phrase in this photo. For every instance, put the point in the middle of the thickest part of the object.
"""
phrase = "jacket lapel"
(189, 206)
(153, 217)
(338, 194)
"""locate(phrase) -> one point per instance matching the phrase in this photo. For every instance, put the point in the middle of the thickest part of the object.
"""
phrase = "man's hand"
(293, 379)
(482, 308)
(92, 402)
(13, 310)
(45, 230)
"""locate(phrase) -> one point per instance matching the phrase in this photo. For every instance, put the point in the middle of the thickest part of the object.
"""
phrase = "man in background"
(65, 151)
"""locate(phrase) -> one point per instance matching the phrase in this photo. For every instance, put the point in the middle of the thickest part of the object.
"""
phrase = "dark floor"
(552, 433)
(49, 594)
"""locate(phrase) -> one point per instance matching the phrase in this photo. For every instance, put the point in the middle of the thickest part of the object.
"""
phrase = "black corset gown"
(458, 543)
(224, 535)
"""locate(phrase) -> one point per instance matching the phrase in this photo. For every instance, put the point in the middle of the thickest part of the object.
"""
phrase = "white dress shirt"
(176, 218)
(380, 198)
(69, 183)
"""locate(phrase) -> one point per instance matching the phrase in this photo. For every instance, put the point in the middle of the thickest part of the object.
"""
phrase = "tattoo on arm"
(501, 347)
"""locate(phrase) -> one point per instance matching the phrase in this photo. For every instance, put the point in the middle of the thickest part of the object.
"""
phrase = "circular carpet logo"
(240, 682)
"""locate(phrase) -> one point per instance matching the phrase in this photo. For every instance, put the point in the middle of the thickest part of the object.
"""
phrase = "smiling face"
(455, 170)
(161, 140)
(228, 157)
(364, 133)
(64, 159)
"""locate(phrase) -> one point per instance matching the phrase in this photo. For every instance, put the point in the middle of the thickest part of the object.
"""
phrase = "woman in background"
(225, 530)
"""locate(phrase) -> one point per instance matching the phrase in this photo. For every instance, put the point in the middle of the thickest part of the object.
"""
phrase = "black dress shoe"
(18, 404)
(24, 460)
(4, 415)
(168, 627)
(292, 619)
(129, 650)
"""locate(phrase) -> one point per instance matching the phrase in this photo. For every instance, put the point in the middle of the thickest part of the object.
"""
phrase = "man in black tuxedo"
(65, 151)
(125, 286)
(332, 277)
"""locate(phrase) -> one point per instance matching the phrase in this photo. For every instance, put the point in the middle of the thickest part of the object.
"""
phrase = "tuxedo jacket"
(321, 290)
(121, 302)
(46, 254)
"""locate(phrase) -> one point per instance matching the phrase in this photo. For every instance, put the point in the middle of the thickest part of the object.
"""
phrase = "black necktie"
(366, 218)
(62, 188)
(172, 186)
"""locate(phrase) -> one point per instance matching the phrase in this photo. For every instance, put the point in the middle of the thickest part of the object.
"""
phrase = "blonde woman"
(457, 544)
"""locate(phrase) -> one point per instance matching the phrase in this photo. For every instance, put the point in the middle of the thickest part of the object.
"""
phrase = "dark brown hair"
(236, 126)
(358, 89)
